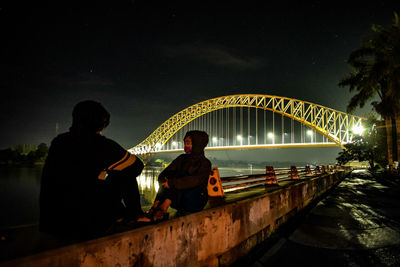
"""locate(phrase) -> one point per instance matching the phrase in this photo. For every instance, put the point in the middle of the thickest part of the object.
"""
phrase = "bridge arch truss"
(334, 125)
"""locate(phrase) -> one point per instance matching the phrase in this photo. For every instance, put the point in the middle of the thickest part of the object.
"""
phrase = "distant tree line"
(24, 155)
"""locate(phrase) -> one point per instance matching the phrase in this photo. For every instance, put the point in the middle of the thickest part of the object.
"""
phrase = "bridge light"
(174, 143)
(156, 186)
(215, 139)
(270, 135)
(310, 133)
(141, 181)
(240, 139)
(358, 129)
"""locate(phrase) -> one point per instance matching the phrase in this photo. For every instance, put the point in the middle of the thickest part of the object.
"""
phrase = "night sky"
(146, 63)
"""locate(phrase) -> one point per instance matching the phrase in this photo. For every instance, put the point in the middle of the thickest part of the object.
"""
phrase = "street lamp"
(221, 141)
(271, 136)
(240, 138)
(215, 140)
(310, 133)
(358, 129)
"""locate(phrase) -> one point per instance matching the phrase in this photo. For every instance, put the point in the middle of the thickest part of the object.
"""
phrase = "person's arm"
(197, 179)
(134, 169)
(170, 170)
(116, 158)
(124, 167)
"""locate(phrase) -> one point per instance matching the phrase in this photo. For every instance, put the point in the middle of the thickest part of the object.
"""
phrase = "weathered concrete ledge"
(213, 237)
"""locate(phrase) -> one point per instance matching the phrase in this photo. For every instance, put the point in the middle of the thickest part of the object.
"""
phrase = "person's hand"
(165, 183)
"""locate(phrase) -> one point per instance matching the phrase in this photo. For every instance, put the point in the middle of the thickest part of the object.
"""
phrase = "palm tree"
(377, 72)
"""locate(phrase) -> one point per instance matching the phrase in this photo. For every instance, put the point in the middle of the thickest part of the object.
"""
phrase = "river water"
(20, 187)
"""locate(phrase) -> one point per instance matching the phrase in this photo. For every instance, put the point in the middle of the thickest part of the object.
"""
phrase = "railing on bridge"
(217, 185)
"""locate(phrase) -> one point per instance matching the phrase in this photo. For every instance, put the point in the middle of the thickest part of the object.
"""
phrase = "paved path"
(357, 224)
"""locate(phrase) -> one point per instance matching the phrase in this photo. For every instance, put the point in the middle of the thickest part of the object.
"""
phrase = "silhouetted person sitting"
(184, 181)
(86, 177)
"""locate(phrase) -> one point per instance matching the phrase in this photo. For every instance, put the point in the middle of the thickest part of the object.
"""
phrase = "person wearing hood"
(183, 184)
(85, 178)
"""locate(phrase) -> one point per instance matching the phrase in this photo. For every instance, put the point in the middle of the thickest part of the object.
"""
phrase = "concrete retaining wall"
(213, 237)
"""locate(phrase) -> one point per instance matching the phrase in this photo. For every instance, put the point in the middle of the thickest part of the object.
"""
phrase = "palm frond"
(353, 104)
(360, 56)
(396, 21)
(353, 80)
(376, 69)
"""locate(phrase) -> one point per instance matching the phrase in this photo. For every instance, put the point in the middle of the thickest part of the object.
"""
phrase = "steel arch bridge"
(336, 126)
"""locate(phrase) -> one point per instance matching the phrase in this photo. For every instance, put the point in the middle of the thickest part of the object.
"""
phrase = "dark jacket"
(189, 170)
(75, 197)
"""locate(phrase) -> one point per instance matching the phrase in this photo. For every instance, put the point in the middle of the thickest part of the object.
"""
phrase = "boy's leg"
(193, 200)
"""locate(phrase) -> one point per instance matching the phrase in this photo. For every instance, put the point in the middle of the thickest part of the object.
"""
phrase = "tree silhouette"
(377, 72)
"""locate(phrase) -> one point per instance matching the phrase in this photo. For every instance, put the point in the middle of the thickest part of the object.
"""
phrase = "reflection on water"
(148, 185)
(19, 195)
(19, 191)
